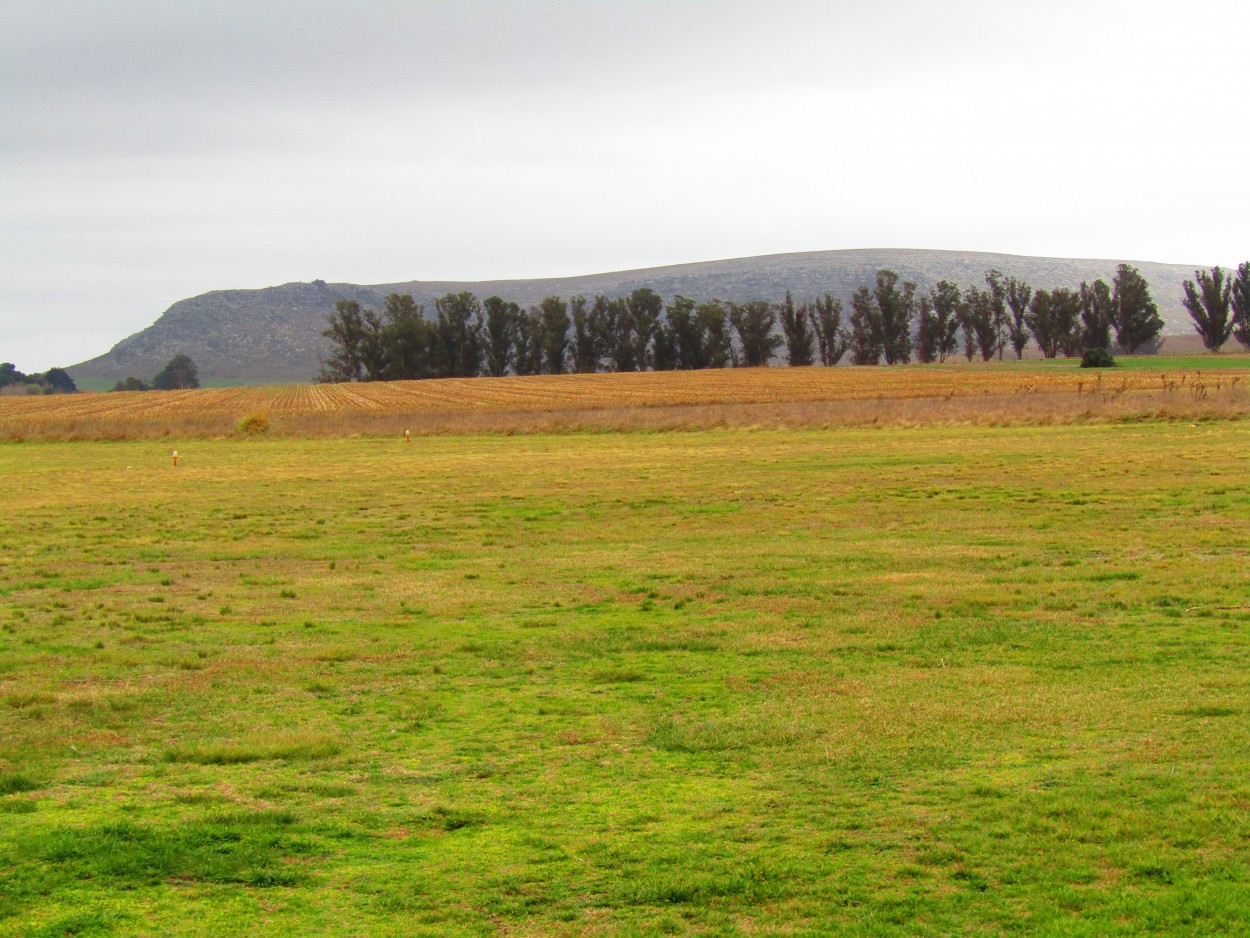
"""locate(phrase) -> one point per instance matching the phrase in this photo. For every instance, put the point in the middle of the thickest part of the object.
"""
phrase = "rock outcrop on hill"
(273, 335)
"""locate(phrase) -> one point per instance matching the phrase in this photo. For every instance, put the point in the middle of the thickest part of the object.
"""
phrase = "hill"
(272, 335)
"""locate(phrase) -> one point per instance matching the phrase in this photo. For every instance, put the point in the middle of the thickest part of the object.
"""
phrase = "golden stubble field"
(980, 394)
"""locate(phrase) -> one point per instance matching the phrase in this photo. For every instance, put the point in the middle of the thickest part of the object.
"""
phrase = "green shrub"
(1097, 358)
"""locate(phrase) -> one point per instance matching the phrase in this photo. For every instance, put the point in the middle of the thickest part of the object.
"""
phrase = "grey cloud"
(155, 150)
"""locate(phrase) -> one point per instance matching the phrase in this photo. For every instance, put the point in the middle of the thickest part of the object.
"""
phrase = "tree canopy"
(1209, 302)
(1133, 313)
(1241, 304)
(890, 321)
(179, 374)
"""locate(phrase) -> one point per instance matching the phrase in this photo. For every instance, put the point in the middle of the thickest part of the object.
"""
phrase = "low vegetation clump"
(934, 679)
(254, 425)
(1097, 358)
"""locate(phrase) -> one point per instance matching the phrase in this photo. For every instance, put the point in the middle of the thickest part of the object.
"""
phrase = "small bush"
(254, 425)
(1097, 358)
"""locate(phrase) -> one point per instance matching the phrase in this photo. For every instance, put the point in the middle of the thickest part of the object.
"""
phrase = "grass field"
(900, 681)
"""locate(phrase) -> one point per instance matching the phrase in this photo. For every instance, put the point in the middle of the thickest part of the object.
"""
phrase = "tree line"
(889, 321)
(179, 373)
(52, 381)
(1219, 304)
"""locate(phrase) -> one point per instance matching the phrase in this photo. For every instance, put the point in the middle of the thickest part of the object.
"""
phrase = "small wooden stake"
(175, 459)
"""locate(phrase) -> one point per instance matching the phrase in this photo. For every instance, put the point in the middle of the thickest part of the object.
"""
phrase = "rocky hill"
(273, 335)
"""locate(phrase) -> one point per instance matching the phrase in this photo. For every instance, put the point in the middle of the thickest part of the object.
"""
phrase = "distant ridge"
(272, 335)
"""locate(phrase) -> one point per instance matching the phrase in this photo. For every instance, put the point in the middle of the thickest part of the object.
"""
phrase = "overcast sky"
(154, 150)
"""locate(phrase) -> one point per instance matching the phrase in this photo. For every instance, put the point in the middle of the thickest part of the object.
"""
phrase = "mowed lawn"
(870, 682)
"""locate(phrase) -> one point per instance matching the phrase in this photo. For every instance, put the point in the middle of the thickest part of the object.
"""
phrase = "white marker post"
(407, 436)
(175, 459)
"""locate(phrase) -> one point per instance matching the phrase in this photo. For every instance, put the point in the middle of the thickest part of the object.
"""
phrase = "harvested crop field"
(1026, 392)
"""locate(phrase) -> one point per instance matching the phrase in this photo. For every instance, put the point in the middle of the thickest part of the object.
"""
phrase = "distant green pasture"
(1226, 359)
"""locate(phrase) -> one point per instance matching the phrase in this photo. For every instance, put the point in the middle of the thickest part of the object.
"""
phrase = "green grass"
(872, 682)
(1232, 357)
(256, 748)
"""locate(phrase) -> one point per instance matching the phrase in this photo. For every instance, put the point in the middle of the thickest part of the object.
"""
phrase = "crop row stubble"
(651, 400)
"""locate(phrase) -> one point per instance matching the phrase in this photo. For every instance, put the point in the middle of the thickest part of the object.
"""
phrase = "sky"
(151, 151)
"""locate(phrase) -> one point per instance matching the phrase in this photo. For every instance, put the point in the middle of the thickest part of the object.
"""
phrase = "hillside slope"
(273, 335)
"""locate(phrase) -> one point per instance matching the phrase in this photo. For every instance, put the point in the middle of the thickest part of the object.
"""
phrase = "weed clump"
(254, 425)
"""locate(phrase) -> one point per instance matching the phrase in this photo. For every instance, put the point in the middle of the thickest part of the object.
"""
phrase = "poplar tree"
(618, 335)
(588, 345)
(713, 323)
(664, 346)
(832, 338)
(1018, 295)
(555, 334)
(797, 328)
(1052, 319)
(1209, 303)
(459, 329)
(981, 328)
(1095, 315)
(896, 308)
(1133, 313)
(407, 339)
(1241, 304)
(754, 322)
(689, 338)
(865, 332)
(349, 331)
(947, 304)
(998, 302)
(644, 307)
(499, 334)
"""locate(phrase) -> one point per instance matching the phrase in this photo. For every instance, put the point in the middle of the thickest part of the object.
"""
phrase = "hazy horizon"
(155, 152)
